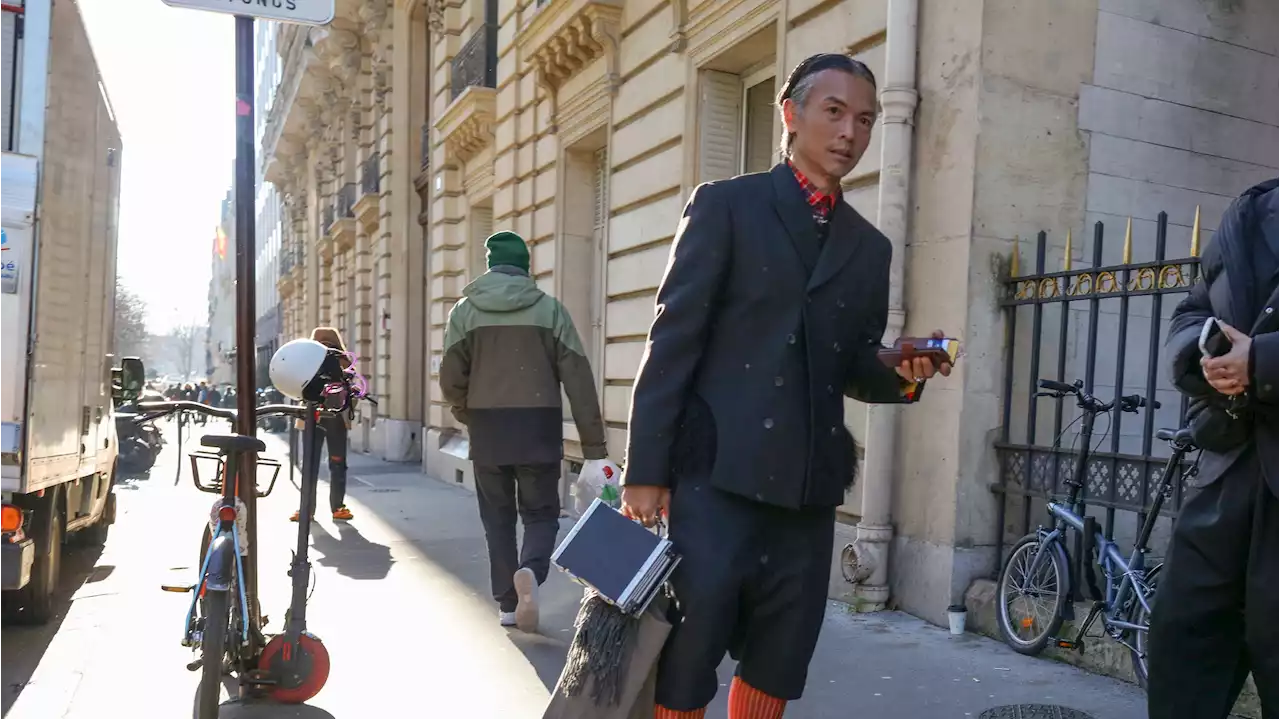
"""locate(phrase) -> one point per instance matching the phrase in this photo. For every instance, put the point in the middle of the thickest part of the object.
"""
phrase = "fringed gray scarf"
(601, 650)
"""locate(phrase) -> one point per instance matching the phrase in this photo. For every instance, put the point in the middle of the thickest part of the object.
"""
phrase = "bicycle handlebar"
(1128, 403)
(1137, 400)
(160, 409)
(1059, 386)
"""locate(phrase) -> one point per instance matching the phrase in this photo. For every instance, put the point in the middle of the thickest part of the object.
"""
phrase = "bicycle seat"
(1181, 436)
(233, 443)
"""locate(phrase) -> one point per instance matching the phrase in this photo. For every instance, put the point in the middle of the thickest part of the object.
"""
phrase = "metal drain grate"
(1033, 711)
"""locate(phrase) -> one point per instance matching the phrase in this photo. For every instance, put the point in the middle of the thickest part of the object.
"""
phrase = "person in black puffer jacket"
(1215, 615)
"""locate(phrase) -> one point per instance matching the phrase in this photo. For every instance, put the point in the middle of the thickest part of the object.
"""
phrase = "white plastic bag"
(599, 479)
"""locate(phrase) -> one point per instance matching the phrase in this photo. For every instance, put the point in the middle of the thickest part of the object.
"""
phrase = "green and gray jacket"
(508, 348)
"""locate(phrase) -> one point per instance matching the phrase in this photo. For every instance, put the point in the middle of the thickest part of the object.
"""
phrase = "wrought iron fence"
(369, 174)
(327, 218)
(346, 208)
(477, 62)
(1111, 320)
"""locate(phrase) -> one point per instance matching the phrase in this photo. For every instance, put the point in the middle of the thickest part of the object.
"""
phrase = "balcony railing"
(425, 153)
(477, 62)
(346, 202)
(327, 218)
(370, 171)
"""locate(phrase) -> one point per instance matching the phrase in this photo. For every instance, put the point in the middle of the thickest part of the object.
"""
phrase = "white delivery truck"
(59, 192)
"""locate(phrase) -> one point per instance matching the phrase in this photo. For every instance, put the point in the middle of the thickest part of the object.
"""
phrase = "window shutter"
(481, 228)
(601, 189)
(719, 125)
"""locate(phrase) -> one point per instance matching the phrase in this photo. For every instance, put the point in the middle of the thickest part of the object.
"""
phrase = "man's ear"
(789, 110)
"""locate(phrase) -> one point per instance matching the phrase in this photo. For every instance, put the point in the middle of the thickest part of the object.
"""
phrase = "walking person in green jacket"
(508, 349)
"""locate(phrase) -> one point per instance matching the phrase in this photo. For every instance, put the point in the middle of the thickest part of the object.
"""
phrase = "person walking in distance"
(771, 311)
(332, 432)
(1215, 615)
(508, 348)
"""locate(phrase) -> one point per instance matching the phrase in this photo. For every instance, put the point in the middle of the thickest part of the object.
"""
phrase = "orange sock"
(747, 702)
(661, 712)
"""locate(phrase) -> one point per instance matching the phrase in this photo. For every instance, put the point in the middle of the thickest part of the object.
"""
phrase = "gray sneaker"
(527, 591)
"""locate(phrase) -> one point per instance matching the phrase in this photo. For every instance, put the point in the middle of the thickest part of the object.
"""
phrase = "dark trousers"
(531, 491)
(752, 581)
(332, 431)
(1215, 616)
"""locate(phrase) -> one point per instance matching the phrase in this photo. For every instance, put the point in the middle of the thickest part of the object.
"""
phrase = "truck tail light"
(12, 518)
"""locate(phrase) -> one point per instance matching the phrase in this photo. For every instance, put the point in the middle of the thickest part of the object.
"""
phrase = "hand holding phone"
(1224, 357)
(1213, 341)
(941, 352)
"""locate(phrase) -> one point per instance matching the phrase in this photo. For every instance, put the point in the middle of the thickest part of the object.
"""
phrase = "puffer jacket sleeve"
(1182, 346)
(455, 366)
(579, 386)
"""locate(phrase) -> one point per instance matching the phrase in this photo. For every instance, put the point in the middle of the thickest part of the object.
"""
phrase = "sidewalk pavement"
(401, 600)
(873, 665)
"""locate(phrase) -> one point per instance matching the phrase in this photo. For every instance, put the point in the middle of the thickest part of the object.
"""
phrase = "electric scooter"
(295, 665)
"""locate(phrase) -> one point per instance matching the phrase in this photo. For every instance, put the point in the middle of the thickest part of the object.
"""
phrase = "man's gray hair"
(804, 85)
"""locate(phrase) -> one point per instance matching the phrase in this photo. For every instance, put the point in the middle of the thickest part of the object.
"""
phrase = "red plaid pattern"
(822, 203)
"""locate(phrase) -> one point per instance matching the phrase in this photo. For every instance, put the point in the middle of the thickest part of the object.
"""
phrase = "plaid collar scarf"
(822, 203)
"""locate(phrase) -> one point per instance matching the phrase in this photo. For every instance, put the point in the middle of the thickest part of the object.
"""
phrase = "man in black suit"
(1215, 616)
(771, 312)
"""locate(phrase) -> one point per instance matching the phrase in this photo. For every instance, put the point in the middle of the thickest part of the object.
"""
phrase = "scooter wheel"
(305, 678)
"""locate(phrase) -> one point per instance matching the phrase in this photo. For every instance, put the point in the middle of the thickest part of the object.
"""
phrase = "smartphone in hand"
(1213, 341)
(939, 350)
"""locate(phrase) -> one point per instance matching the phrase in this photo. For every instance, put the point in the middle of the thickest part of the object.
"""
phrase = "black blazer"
(760, 332)
(1226, 290)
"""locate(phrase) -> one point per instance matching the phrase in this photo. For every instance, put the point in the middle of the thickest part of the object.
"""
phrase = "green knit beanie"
(507, 248)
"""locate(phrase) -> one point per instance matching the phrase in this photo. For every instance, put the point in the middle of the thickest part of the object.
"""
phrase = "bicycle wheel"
(1044, 594)
(1140, 616)
(213, 645)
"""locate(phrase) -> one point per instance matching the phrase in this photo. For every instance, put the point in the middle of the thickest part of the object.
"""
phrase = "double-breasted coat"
(762, 328)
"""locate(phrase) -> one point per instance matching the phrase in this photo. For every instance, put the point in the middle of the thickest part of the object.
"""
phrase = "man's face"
(833, 128)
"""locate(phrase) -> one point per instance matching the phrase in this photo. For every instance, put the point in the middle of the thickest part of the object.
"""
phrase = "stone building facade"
(407, 131)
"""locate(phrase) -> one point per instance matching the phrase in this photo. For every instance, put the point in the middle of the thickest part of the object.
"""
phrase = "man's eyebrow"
(836, 100)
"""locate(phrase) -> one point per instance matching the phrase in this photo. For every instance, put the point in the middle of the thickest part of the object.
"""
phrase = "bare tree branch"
(131, 338)
(184, 343)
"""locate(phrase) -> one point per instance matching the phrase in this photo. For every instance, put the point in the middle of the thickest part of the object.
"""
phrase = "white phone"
(1211, 338)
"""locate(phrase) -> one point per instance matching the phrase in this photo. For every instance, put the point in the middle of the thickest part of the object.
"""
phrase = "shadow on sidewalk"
(265, 709)
(350, 553)
(24, 646)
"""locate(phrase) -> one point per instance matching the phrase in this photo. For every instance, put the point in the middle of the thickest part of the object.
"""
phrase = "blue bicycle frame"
(1122, 575)
(215, 576)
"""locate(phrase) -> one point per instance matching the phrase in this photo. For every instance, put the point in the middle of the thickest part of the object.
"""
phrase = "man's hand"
(644, 503)
(1229, 374)
(919, 369)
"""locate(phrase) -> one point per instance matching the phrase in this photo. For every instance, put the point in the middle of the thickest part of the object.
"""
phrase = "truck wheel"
(95, 535)
(35, 603)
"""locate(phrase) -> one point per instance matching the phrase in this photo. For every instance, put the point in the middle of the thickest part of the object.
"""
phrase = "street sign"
(303, 12)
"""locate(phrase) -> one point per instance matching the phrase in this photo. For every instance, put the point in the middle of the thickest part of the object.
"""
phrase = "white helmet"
(295, 365)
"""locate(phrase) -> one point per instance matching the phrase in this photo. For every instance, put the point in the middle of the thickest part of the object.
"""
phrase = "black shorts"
(753, 582)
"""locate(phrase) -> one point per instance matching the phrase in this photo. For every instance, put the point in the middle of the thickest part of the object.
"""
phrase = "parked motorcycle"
(139, 441)
(273, 423)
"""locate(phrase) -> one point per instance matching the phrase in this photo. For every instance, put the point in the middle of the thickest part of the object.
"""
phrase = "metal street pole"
(246, 393)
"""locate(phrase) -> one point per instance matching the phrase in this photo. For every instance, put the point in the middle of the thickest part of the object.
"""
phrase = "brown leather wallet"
(906, 348)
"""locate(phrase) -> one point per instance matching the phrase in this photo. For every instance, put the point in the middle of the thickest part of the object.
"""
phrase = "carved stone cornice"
(339, 50)
(374, 13)
(467, 125)
(435, 16)
(567, 35)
